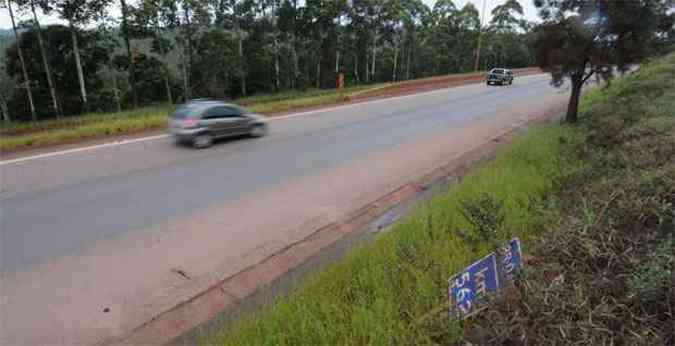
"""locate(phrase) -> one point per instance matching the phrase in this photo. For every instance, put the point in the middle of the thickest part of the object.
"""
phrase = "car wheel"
(488, 83)
(258, 130)
(202, 141)
(511, 82)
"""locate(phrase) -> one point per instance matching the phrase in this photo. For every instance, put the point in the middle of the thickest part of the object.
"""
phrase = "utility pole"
(480, 37)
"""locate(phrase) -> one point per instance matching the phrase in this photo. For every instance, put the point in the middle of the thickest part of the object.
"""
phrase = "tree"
(413, 14)
(109, 43)
(212, 73)
(76, 13)
(504, 16)
(26, 80)
(580, 38)
(507, 44)
(152, 18)
(126, 35)
(43, 53)
(64, 71)
(288, 17)
(7, 86)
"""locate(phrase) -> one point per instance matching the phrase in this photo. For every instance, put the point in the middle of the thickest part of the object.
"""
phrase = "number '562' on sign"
(485, 276)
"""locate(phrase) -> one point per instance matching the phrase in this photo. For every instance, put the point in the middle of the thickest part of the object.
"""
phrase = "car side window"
(213, 113)
(221, 112)
(231, 112)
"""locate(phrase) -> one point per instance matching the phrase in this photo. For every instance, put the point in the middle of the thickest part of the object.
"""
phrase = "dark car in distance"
(500, 76)
(199, 122)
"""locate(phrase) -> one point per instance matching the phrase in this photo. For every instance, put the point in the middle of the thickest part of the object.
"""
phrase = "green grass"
(15, 136)
(603, 264)
(393, 290)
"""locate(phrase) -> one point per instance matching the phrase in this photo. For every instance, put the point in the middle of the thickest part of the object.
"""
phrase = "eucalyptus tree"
(78, 13)
(33, 5)
(26, 80)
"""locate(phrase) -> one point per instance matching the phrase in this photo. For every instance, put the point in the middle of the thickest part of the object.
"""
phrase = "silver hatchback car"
(200, 122)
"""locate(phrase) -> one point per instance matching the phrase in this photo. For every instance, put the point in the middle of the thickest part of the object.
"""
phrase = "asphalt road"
(58, 210)
(54, 206)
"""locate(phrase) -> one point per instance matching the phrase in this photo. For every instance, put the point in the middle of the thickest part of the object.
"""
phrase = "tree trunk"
(277, 78)
(24, 71)
(372, 70)
(78, 64)
(367, 66)
(3, 108)
(294, 58)
(318, 72)
(356, 69)
(116, 93)
(167, 85)
(276, 64)
(187, 66)
(294, 52)
(276, 68)
(393, 76)
(165, 69)
(186, 86)
(407, 64)
(45, 62)
(242, 67)
(127, 43)
(480, 41)
(573, 106)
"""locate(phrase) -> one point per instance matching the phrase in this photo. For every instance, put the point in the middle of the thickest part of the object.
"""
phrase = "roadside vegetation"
(602, 268)
(593, 205)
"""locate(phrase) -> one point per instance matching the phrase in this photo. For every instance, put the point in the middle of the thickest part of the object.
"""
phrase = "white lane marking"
(77, 150)
(293, 115)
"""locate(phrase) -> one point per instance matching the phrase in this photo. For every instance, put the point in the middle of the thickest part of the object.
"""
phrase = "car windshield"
(188, 111)
(498, 71)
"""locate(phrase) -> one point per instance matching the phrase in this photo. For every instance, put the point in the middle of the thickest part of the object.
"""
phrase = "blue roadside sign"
(469, 286)
(510, 262)
(486, 276)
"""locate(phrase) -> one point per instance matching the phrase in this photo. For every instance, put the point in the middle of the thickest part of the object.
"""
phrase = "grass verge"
(16, 136)
(393, 290)
(603, 259)
(593, 205)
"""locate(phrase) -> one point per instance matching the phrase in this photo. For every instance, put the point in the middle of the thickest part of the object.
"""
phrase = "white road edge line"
(283, 117)
(77, 150)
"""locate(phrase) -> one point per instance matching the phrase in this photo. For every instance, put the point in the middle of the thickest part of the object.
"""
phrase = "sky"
(528, 6)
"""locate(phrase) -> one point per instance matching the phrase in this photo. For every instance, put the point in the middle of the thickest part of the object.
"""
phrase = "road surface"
(94, 242)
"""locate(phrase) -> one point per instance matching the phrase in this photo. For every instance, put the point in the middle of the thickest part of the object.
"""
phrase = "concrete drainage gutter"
(247, 291)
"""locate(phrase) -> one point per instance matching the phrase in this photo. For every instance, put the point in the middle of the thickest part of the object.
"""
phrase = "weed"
(486, 216)
(605, 256)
